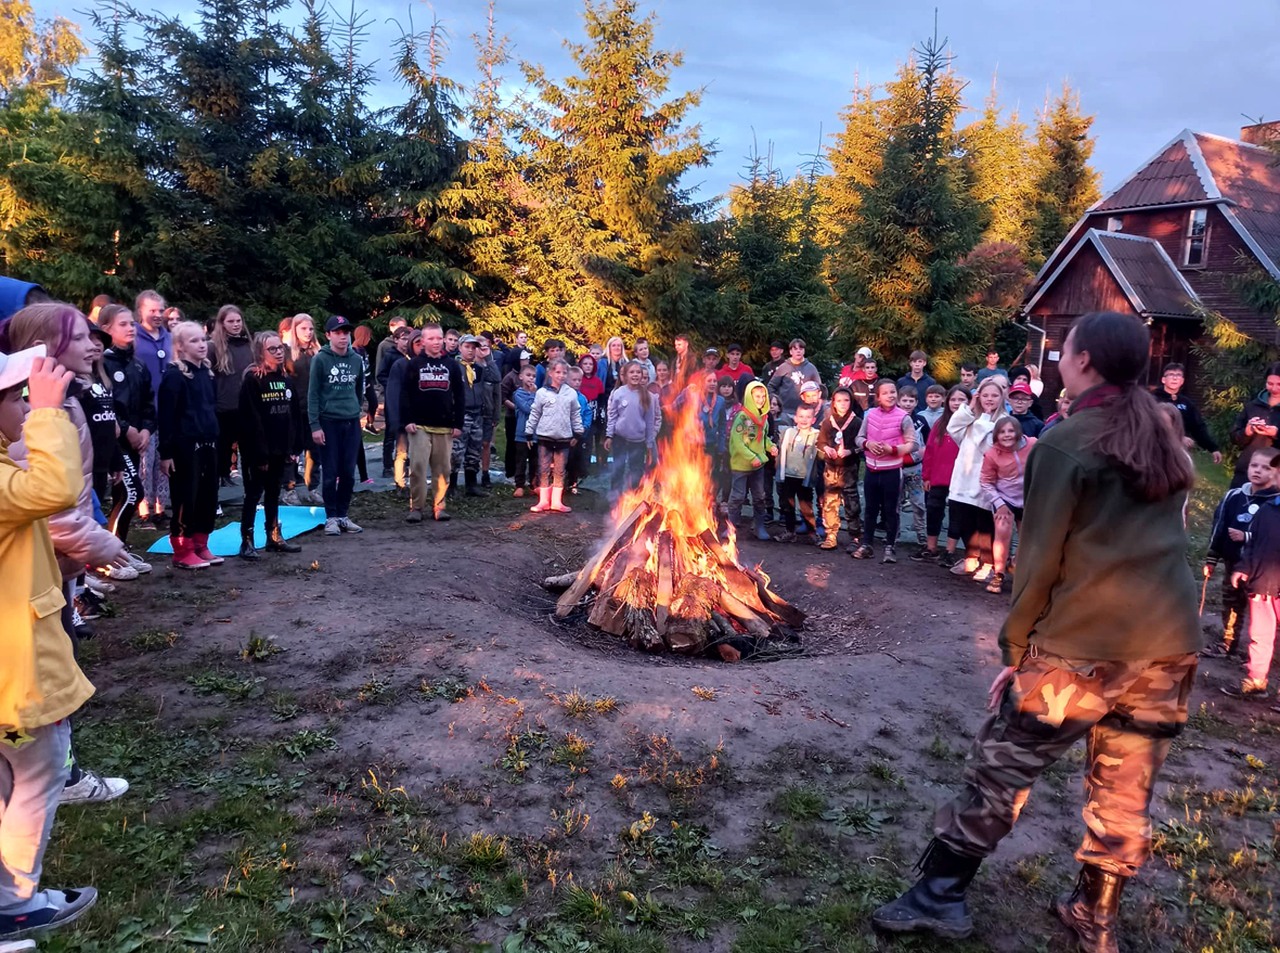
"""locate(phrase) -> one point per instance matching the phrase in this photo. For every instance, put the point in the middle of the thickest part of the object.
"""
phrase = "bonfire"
(668, 576)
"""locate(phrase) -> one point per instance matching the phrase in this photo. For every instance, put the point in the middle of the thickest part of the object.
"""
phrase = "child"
(1003, 466)
(525, 465)
(40, 683)
(580, 454)
(970, 427)
(1020, 398)
(912, 482)
(1064, 411)
(917, 377)
(749, 449)
(887, 432)
(727, 389)
(1230, 530)
(555, 422)
(711, 416)
(934, 399)
(135, 413)
(1259, 573)
(940, 452)
(631, 432)
(797, 454)
(840, 470)
(188, 449)
(268, 431)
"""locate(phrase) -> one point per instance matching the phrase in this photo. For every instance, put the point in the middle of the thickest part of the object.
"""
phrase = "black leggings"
(193, 490)
(975, 526)
(264, 485)
(935, 508)
(124, 497)
(881, 489)
(228, 437)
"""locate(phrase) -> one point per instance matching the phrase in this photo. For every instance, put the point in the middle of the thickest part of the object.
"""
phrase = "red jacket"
(940, 452)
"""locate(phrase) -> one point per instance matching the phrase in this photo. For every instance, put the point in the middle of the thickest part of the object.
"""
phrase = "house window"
(1115, 223)
(1197, 233)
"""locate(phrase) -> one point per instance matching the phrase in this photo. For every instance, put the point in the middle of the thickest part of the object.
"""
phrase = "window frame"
(1193, 240)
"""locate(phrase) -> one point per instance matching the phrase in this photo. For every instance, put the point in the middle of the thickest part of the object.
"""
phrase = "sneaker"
(347, 525)
(965, 567)
(61, 907)
(137, 562)
(93, 788)
(219, 513)
(786, 536)
(81, 628)
(331, 527)
(984, 572)
(97, 585)
(863, 552)
(118, 573)
(1249, 688)
(367, 482)
(1217, 650)
(924, 555)
(415, 516)
(16, 946)
(441, 516)
(82, 611)
(996, 583)
(947, 560)
(290, 499)
(889, 555)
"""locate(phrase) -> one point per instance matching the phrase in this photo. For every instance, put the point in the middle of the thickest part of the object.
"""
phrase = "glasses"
(274, 348)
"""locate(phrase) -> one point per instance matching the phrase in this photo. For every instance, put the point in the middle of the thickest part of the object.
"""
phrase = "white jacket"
(973, 436)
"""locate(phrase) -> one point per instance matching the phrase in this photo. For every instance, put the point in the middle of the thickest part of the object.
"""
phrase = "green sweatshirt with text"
(336, 385)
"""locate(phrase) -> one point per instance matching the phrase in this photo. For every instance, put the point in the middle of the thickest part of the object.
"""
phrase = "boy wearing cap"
(857, 371)
(711, 360)
(1020, 398)
(333, 410)
(40, 683)
(468, 445)
(733, 367)
(777, 355)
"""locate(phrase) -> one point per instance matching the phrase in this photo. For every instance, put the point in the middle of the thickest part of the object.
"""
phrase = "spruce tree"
(999, 163)
(1065, 184)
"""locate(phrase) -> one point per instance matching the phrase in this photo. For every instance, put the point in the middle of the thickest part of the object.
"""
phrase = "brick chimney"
(1261, 134)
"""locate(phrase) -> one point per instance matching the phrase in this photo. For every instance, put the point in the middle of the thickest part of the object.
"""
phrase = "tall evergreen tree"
(999, 163)
(615, 226)
(897, 268)
(854, 160)
(1066, 185)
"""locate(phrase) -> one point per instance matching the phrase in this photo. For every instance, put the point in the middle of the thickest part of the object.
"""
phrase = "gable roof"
(1176, 175)
(1142, 268)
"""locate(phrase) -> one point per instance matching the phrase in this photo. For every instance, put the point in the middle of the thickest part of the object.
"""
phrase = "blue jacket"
(13, 295)
(1236, 511)
(153, 353)
(523, 399)
(588, 411)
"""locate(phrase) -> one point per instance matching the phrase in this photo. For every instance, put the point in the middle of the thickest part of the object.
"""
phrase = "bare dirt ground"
(385, 743)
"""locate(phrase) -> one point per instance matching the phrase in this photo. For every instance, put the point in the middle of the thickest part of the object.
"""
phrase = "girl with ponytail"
(1100, 643)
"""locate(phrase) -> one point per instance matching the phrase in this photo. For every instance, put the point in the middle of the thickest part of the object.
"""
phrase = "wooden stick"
(566, 603)
(662, 600)
(750, 621)
(560, 582)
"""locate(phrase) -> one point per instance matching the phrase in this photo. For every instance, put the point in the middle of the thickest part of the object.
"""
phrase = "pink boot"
(184, 556)
(200, 546)
(544, 500)
(557, 504)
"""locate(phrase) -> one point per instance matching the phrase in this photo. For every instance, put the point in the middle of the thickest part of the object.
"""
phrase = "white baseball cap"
(864, 352)
(16, 368)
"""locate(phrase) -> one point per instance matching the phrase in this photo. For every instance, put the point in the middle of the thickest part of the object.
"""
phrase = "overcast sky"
(781, 71)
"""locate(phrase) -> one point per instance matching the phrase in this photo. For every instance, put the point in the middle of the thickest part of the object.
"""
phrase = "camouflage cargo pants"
(1128, 711)
(840, 485)
(466, 446)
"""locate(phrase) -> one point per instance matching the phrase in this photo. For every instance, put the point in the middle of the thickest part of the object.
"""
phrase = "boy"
(1259, 572)
(554, 351)
(969, 376)
(917, 378)
(861, 388)
(840, 469)
(333, 408)
(749, 449)
(1020, 398)
(931, 413)
(525, 466)
(993, 366)
(734, 368)
(432, 411)
(797, 453)
(579, 453)
(912, 480)
(1231, 523)
(40, 683)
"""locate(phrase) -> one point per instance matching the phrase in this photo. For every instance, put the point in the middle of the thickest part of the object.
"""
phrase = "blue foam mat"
(294, 520)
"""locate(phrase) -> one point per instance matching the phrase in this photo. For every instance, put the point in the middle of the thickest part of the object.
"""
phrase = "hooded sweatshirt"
(131, 390)
(228, 385)
(1002, 473)
(749, 441)
(188, 413)
(267, 425)
(337, 381)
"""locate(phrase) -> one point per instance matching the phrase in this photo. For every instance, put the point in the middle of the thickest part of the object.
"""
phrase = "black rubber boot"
(246, 547)
(276, 543)
(485, 480)
(472, 488)
(1092, 909)
(936, 903)
(453, 484)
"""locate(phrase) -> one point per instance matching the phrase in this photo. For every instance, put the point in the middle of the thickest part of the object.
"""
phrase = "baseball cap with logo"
(1020, 388)
(338, 323)
(16, 368)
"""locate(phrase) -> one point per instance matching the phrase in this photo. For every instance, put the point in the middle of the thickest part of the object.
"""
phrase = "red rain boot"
(200, 546)
(184, 556)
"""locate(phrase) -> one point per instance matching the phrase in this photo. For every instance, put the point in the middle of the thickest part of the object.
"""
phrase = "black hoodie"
(100, 416)
(268, 427)
(130, 389)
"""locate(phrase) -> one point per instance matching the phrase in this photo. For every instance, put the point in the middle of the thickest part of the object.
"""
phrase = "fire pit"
(668, 575)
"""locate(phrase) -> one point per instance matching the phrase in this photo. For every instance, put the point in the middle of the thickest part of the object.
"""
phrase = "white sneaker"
(100, 586)
(138, 563)
(16, 946)
(348, 525)
(984, 572)
(93, 788)
(331, 527)
(118, 573)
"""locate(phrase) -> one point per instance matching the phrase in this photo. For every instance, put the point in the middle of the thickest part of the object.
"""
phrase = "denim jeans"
(338, 464)
(628, 465)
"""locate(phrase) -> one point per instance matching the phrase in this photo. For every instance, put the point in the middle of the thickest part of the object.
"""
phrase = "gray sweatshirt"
(627, 419)
(555, 415)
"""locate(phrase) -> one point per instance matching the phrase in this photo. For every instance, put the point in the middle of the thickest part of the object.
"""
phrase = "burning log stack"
(664, 579)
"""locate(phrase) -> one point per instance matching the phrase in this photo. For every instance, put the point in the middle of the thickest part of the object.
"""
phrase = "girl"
(134, 409)
(593, 390)
(232, 355)
(634, 420)
(555, 422)
(840, 469)
(970, 427)
(171, 318)
(1100, 644)
(304, 346)
(1064, 410)
(1001, 480)
(361, 341)
(727, 388)
(189, 446)
(267, 434)
(940, 451)
(525, 460)
(886, 434)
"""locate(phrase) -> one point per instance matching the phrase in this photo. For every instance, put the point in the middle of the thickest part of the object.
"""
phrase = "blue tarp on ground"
(294, 520)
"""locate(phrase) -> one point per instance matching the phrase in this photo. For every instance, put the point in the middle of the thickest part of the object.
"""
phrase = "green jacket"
(1101, 575)
(336, 386)
(749, 436)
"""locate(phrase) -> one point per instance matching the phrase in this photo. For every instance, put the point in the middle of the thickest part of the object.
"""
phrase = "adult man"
(857, 371)
(682, 364)
(788, 378)
(432, 414)
(393, 349)
(153, 348)
(734, 368)
(467, 445)
(1258, 424)
(1020, 398)
(917, 378)
(641, 355)
(487, 359)
(333, 410)
(451, 339)
(777, 355)
(1170, 392)
(993, 366)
